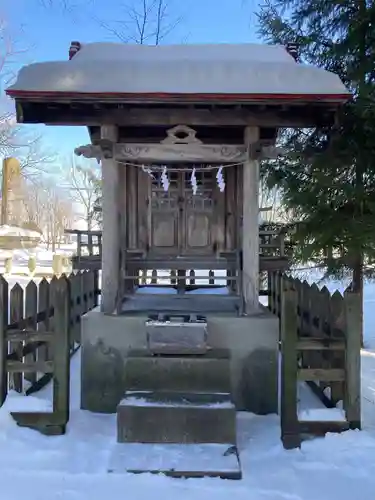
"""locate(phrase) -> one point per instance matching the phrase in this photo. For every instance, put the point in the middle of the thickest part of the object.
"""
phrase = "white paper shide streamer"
(193, 180)
(220, 179)
(164, 179)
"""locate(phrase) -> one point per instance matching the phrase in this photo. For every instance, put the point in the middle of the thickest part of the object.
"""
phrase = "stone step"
(176, 417)
(176, 460)
(176, 337)
(177, 373)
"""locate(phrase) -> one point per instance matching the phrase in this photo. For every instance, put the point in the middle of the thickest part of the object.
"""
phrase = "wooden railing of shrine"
(272, 256)
(320, 344)
(39, 332)
(88, 254)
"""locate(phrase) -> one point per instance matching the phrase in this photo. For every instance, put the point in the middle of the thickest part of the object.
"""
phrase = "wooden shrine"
(180, 132)
(174, 228)
(172, 119)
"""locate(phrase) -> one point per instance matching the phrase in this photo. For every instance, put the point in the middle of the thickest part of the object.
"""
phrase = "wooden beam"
(321, 374)
(122, 216)
(192, 152)
(97, 113)
(178, 263)
(289, 365)
(352, 401)
(320, 428)
(214, 117)
(318, 344)
(250, 228)
(110, 240)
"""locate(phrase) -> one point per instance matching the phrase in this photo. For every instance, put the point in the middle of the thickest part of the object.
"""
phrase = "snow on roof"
(246, 69)
(195, 52)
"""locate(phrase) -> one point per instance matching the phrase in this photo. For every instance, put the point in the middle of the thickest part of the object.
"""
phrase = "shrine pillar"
(250, 227)
(111, 226)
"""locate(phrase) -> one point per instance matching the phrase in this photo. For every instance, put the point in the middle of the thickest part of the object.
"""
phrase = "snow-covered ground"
(74, 466)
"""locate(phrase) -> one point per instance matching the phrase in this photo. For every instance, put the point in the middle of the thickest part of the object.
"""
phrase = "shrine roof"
(123, 71)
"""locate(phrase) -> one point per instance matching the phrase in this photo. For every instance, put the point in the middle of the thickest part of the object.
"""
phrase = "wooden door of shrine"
(181, 223)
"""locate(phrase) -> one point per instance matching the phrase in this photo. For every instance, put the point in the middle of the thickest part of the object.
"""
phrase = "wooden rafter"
(96, 113)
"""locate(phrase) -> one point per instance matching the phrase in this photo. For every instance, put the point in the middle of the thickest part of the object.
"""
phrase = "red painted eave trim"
(167, 96)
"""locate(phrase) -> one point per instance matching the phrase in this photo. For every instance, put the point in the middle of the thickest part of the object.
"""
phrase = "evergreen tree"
(328, 179)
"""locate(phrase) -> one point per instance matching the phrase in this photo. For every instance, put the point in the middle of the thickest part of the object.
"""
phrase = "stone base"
(252, 343)
(207, 373)
(184, 460)
(162, 417)
(174, 337)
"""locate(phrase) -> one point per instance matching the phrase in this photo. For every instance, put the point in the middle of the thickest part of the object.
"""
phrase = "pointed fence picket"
(320, 344)
(39, 332)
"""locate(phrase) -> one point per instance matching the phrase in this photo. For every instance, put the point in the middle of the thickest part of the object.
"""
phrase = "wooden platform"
(266, 263)
(176, 460)
(191, 303)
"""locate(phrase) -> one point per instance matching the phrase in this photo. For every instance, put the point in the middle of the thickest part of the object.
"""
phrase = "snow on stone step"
(179, 460)
(194, 400)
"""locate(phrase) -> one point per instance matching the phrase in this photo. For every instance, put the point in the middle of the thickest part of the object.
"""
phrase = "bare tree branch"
(34, 159)
(141, 21)
(64, 4)
(14, 141)
(82, 183)
(48, 208)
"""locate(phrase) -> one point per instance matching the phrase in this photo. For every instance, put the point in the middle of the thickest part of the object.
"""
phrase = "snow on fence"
(39, 332)
(320, 338)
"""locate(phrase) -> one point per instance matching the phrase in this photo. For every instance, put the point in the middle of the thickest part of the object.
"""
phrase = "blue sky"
(46, 33)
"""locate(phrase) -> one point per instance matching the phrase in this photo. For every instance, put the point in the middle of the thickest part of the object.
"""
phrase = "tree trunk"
(89, 221)
(361, 162)
(357, 287)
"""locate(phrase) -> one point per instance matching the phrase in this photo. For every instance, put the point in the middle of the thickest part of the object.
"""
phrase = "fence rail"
(39, 331)
(320, 345)
(88, 255)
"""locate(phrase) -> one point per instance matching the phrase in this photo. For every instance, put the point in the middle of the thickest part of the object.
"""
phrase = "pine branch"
(327, 179)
